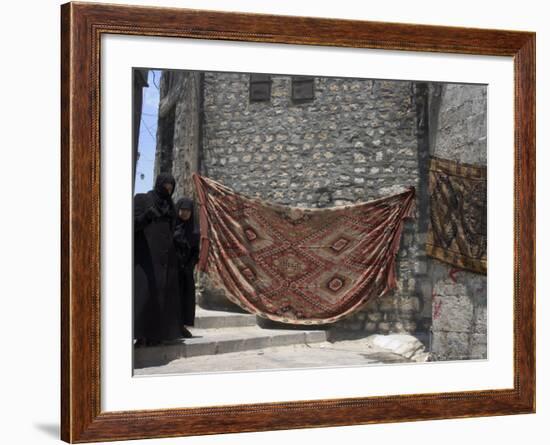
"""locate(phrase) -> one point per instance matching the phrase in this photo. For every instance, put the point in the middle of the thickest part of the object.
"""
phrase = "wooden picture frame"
(82, 26)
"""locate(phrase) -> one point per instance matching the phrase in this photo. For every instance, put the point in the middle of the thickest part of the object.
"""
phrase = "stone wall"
(179, 140)
(355, 141)
(459, 306)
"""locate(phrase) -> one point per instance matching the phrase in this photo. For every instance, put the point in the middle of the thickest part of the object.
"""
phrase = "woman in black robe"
(157, 310)
(186, 239)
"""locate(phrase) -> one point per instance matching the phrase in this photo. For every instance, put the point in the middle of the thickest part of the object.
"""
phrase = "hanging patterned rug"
(458, 214)
(298, 265)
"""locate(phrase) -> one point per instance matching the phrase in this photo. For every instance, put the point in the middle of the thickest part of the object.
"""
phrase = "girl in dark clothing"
(186, 240)
(157, 310)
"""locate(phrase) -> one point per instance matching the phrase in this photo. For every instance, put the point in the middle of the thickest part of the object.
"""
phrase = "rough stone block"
(448, 287)
(387, 304)
(374, 316)
(397, 326)
(480, 320)
(403, 326)
(411, 284)
(421, 268)
(426, 288)
(454, 314)
(478, 346)
(408, 305)
(409, 325)
(405, 316)
(371, 326)
(451, 345)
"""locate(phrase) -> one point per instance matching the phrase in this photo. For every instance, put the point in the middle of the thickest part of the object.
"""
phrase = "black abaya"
(186, 239)
(157, 308)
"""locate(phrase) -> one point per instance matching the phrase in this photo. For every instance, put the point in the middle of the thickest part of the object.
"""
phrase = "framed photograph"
(276, 222)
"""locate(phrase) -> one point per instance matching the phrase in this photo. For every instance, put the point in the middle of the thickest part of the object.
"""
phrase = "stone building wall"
(459, 306)
(179, 137)
(356, 140)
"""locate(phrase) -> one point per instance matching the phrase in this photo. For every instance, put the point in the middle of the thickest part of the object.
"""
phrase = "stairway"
(219, 332)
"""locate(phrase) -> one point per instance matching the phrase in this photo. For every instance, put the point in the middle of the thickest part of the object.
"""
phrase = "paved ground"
(217, 341)
(322, 354)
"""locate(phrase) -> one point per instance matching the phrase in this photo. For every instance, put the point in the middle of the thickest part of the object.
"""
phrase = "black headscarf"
(164, 199)
(164, 178)
(186, 226)
(184, 203)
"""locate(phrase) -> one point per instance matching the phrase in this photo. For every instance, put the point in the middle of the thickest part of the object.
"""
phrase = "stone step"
(220, 341)
(210, 319)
